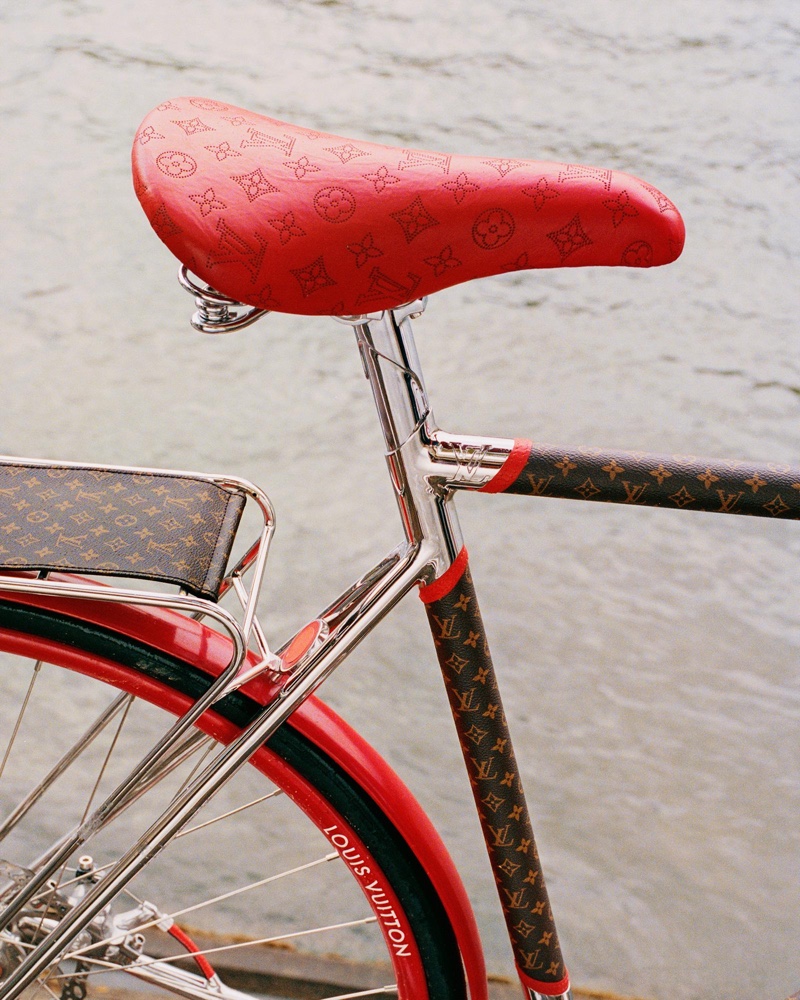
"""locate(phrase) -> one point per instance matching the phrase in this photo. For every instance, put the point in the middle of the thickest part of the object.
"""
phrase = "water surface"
(648, 658)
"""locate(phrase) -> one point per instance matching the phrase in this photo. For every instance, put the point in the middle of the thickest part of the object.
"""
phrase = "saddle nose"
(293, 220)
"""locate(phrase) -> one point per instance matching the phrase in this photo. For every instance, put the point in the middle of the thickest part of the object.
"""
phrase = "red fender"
(187, 639)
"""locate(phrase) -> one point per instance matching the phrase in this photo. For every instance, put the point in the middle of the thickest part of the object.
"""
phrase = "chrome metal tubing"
(466, 462)
(100, 593)
(366, 605)
(216, 313)
(180, 752)
(448, 462)
(181, 983)
(255, 559)
(392, 366)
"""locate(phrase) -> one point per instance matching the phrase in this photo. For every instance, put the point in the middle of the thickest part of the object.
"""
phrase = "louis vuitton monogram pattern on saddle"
(290, 219)
(158, 526)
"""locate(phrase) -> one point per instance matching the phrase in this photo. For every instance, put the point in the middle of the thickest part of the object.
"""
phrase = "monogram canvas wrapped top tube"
(293, 220)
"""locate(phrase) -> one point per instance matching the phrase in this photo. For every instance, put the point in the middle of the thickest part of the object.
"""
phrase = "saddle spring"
(216, 313)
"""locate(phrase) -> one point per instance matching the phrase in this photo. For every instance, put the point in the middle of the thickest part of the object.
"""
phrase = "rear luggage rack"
(164, 527)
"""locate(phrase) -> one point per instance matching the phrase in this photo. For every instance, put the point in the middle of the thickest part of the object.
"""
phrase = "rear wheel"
(292, 874)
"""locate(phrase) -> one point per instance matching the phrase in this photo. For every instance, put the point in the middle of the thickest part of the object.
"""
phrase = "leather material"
(175, 529)
(471, 683)
(298, 221)
(679, 482)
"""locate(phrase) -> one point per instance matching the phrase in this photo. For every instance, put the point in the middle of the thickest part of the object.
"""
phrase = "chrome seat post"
(392, 366)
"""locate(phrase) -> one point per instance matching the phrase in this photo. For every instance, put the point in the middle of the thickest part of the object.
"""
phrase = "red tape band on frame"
(446, 582)
(509, 471)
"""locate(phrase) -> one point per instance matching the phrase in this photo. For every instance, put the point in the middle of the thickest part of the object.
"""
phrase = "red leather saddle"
(298, 221)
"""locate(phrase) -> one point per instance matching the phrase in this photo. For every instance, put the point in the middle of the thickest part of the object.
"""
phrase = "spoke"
(105, 762)
(179, 753)
(42, 985)
(56, 884)
(362, 922)
(133, 896)
(73, 881)
(182, 751)
(175, 981)
(22, 945)
(207, 902)
(104, 967)
(237, 945)
(53, 889)
(37, 667)
(378, 991)
(213, 991)
(66, 760)
(333, 856)
(217, 990)
(232, 812)
(203, 757)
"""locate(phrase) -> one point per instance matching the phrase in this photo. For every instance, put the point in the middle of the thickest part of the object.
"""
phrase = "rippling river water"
(648, 658)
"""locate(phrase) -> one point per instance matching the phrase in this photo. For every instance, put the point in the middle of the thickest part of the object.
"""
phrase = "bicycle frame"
(426, 467)
(423, 487)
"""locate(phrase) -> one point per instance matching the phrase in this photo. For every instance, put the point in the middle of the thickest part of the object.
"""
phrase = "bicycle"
(267, 216)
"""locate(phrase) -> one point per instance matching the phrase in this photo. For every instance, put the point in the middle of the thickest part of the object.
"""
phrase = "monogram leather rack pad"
(168, 527)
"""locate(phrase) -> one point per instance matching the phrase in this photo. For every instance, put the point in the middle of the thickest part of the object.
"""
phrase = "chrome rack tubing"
(182, 750)
(355, 604)
(256, 556)
(242, 566)
(403, 572)
(74, 839)
(267, 660)
(148, 598)
(255, 559)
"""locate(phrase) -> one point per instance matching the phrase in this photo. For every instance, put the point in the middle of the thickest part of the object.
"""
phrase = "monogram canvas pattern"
(174, 529)
(678, 481)
(289, 219)
(471, 683)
